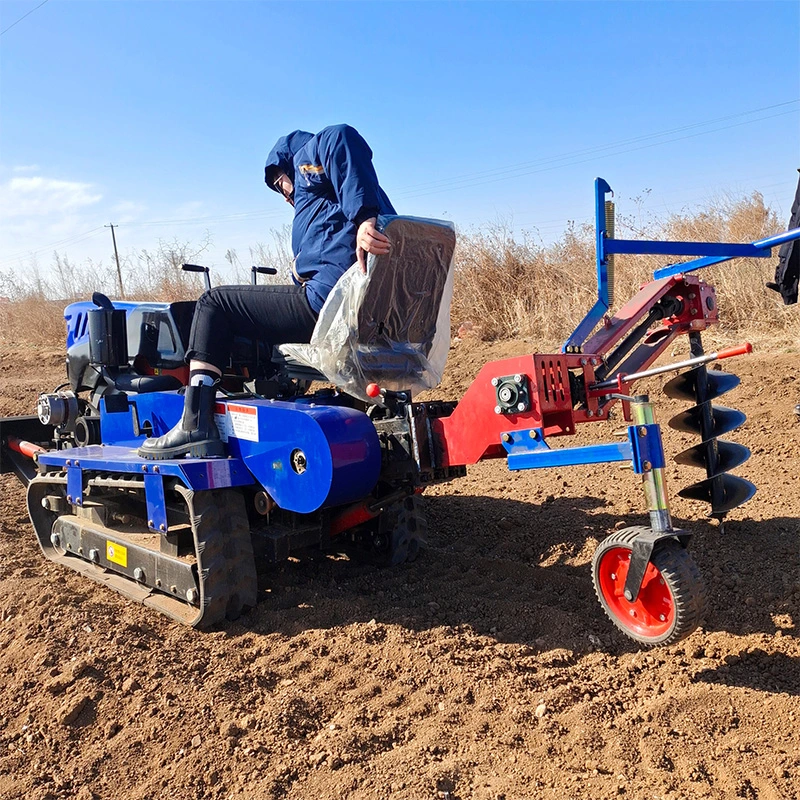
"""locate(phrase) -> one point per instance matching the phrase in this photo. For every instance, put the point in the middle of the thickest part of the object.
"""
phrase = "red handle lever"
(739, 350)
(25, 448)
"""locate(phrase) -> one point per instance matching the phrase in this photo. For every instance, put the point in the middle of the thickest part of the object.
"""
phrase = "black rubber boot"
(195, 435)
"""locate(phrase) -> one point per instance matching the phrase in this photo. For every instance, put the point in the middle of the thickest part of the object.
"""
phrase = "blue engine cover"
(306, 456)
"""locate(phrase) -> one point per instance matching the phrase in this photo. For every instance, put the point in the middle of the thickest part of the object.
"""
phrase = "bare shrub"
(32, 320)
(507, 286)
(32, 310)
(746, 306)
(277, 254)
(516, 287)
(158, 275)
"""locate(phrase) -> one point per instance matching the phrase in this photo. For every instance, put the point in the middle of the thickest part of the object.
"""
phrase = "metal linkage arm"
(607, 246)
(762, 249)
(725, 250)
(621, 379)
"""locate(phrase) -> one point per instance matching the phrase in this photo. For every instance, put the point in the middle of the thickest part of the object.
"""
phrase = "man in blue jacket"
(331, 183)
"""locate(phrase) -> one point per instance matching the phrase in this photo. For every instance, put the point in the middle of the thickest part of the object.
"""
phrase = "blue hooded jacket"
(335, 190)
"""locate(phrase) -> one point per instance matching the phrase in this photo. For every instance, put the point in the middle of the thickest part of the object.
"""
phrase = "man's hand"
(370, 240)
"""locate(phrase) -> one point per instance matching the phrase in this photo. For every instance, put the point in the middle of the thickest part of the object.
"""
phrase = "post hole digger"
(343, 468)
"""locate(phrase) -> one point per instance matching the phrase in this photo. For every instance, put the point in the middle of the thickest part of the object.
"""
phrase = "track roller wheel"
(671, 600)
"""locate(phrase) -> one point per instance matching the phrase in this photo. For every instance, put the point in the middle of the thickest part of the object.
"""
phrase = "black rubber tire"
(681, 577)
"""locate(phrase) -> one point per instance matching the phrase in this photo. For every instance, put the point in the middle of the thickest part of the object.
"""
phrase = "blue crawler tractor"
(342, 465)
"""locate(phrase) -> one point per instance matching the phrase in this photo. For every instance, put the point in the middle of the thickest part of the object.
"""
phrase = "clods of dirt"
(484, 670)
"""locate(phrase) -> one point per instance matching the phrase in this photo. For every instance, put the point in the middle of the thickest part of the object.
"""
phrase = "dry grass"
(506, 285)
(30, 314)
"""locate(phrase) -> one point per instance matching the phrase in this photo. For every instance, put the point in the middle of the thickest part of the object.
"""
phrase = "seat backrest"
(404, 293)
(391, 327)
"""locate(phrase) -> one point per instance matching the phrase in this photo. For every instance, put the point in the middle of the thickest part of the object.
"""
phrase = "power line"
(244, 215)
(469, 182)
(690, 198)
(22, 18)
(74, 239)
(597, 149)
(471, 179)
(81, 237)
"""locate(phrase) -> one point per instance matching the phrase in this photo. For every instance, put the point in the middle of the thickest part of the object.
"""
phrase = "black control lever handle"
(102, 301)
(198, 268)
(255, 271)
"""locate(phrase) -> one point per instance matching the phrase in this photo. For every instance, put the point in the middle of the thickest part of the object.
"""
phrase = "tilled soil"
(484, 670)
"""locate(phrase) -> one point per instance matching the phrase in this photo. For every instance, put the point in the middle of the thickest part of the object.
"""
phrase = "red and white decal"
(221, 420)
(239, 421)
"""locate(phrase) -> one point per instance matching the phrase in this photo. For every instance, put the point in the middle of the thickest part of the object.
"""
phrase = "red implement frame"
(473, 431)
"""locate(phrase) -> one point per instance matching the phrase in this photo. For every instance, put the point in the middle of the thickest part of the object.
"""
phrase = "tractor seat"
(390, 327)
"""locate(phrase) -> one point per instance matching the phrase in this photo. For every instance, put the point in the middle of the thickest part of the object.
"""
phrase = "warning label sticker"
(117, 553)
(219, 473)
(239, 421)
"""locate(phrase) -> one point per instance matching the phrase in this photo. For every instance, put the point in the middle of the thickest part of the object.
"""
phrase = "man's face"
(284, 185)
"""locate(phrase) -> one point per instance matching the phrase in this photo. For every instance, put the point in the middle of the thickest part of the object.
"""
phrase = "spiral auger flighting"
(722, 490)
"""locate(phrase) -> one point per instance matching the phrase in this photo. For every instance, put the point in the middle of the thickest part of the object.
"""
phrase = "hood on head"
(281, 157)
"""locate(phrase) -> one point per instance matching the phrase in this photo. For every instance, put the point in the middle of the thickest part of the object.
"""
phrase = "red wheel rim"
(653, 612)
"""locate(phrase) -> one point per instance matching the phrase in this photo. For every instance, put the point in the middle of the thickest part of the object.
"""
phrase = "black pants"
(272, 314)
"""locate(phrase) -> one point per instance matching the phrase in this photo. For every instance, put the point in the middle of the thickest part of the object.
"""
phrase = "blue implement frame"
(709, 252)
(763, 248)
(600, 308)
(528, 449)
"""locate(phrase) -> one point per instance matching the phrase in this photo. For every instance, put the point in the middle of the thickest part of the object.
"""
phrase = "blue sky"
(157, 116)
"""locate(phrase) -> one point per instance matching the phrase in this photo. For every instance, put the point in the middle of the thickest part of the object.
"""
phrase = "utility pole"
(116, 255)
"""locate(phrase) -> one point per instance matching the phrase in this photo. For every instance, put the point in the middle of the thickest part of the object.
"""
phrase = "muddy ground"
(485, 670)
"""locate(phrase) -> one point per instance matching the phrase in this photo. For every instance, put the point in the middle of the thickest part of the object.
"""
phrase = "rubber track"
(405, 528)
(681, 574)
(410, 532)
(224, 549)
(226, 572)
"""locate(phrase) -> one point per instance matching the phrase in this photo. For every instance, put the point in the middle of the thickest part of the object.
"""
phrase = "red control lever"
(739, 350)
(616, 383)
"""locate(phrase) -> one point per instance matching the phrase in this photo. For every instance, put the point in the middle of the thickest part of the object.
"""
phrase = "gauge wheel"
(671, 601)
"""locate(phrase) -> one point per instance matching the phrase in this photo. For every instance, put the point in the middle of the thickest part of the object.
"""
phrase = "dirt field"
(485, 670)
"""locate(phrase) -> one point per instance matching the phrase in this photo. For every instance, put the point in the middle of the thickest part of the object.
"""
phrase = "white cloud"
(128, 211)
(44, 197)
(26, 168)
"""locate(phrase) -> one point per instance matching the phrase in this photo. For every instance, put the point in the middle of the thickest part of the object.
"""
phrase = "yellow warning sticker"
(117, 553)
